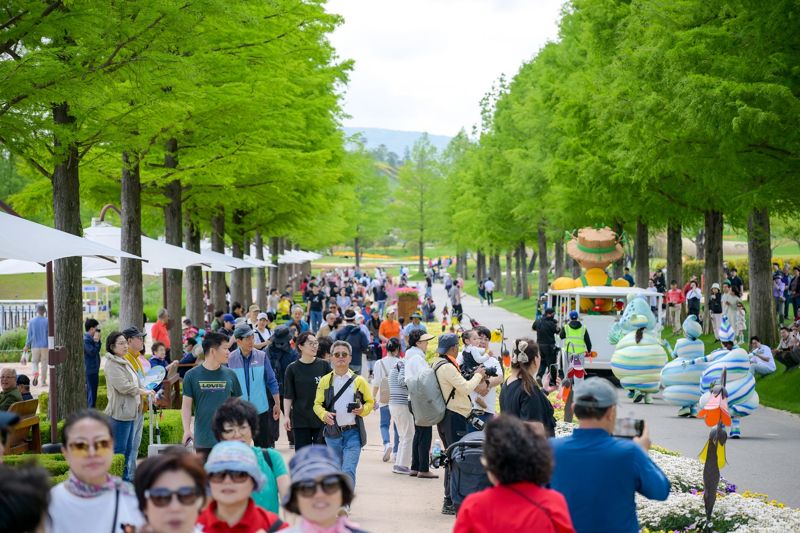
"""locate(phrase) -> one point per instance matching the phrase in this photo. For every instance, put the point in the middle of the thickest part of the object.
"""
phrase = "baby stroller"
(467, 474)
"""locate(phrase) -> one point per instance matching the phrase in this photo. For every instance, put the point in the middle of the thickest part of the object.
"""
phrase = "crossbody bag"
(333, 431)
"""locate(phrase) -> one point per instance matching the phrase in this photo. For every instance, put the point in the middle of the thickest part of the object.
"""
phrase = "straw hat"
(595, 248)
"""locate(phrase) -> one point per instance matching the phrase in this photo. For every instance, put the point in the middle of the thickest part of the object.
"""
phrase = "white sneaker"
(387, 453)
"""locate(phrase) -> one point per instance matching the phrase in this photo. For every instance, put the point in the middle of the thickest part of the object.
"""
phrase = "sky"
(424, 65)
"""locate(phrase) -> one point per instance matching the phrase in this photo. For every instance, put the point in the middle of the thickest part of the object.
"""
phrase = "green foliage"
(13, 339)
(102, 399)
(57, 466)
(779, 389)
(695, 268)
(171, 429)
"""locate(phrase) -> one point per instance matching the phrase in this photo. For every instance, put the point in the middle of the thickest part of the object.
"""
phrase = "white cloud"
(424, 65)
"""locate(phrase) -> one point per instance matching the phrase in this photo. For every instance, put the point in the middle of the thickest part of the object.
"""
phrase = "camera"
(469, 365)
(474, 419)
(353, 406)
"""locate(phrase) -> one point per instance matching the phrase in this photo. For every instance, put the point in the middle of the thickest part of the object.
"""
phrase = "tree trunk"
(700, 245)
(762, 319)
(496, 272)
(247, 278)
(674, 252)
(131, 305)
(642, 254)
(67, 306)
(712, 271)
(283, 277)
(509, 277)
(357, 252)
(237, 276)
(559, 253)
(173, 230)
(274, 246)
(544, 263)
(218, 284)
(619, 266)
(523, 260)
(480, 266)
(421, 253)
(261, 275)
(195, 307)
(576, 269)
(519, 271)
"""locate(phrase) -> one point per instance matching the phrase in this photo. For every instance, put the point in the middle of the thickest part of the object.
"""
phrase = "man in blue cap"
(455, 390)
(256, 379)
(597, 473)
(575, 335)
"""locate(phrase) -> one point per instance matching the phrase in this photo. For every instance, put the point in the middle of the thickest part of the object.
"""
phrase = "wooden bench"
(25, 435)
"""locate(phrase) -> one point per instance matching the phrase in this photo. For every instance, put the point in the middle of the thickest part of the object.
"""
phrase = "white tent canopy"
(291, 257)
(15, 266)
(28, 241)
(159, 255)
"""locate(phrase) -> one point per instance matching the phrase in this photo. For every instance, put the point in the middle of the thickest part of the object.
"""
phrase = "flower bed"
(684, 510)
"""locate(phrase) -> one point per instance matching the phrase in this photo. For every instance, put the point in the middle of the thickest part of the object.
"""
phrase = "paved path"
(766, 460)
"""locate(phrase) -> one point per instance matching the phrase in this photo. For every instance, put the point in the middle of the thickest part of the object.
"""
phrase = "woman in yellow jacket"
(343, 400)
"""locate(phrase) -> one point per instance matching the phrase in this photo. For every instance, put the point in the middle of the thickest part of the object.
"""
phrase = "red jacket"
(159, 333)
(254, 519)
(526, 507)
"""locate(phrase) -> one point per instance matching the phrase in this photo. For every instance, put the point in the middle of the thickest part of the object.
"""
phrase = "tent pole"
(51, 367)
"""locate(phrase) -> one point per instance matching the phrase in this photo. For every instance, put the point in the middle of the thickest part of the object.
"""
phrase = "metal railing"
(16, 313)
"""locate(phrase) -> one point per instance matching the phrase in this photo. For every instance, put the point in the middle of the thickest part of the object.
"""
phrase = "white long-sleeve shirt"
(413, 364)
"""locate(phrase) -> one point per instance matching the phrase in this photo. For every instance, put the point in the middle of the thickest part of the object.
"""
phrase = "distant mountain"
(396, 141)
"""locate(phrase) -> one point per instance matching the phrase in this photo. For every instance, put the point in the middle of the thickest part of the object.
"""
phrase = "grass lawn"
(779, 390)
(23, 287)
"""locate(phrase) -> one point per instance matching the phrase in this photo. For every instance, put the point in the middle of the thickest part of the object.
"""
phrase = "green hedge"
(57, 466)
(170, 424)
(171, 429)
(13, 339)
(102, 399)
(695, 268)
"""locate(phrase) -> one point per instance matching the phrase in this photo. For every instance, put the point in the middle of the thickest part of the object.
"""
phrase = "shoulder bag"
(333, 431)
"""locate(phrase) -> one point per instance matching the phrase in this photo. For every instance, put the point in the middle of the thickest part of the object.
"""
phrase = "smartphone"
(628, 428)
(554, 372)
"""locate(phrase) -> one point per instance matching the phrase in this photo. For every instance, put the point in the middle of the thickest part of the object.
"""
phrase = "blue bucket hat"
(235, 456)
(311, 463)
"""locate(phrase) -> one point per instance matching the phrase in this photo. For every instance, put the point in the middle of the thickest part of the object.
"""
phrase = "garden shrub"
(102, 400)
(57, 466)
(171, 429)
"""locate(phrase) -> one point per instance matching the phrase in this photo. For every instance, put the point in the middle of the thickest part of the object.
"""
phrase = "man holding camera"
(343, 400)
(455, 390)
(598, 473)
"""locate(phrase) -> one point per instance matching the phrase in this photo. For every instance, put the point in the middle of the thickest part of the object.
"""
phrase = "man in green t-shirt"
(205, 387)
(10, 393)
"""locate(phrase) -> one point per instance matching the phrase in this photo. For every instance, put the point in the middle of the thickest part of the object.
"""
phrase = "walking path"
(764, 460)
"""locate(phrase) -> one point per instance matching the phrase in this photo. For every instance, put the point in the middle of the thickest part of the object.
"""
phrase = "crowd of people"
(321, 367)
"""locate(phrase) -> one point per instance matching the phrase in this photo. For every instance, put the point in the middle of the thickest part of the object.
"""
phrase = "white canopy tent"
(292, 257)
(159, 255)
(28, 241)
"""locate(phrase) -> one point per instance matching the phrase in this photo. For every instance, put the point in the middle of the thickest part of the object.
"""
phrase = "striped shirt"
(398, 394)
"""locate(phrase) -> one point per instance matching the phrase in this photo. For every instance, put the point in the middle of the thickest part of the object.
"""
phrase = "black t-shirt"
(315, 301)
(535, 407)
(300, 386)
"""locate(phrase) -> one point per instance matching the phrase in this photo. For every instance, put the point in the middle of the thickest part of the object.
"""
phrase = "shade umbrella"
(28, 241)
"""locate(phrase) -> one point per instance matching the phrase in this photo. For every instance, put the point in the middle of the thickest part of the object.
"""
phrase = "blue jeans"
(316, 320)
(348, 450)
(123, 442)
(386, 421)
(92, 381)
(138, 428)
(381, 307)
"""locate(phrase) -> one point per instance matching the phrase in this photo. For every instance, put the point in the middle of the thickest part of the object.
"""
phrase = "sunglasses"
(100, 446)
(340, 355)
(236, 477)
(329, 484)
(162, 497)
